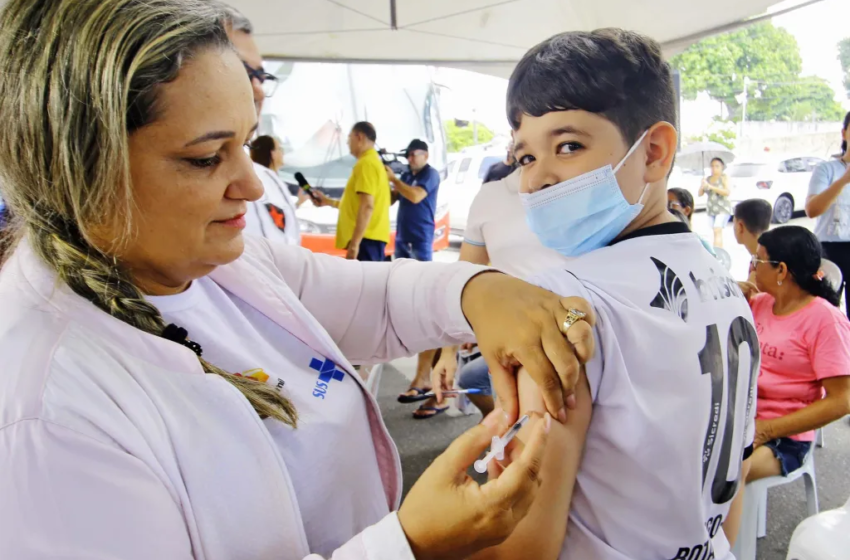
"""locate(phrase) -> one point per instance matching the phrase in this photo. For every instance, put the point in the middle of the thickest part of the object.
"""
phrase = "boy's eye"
(569, 147)
(204, 163)
(525, 160)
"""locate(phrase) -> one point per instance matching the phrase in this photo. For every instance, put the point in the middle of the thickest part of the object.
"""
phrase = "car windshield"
(486, 164)
(745, 170)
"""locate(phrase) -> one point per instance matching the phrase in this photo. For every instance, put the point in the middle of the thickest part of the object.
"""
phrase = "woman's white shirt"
(834, 224)
(497, 222)
(273, 216)
(115, 444)
(335, 502)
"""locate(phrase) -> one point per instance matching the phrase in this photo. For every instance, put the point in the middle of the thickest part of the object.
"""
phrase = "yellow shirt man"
(368, 177)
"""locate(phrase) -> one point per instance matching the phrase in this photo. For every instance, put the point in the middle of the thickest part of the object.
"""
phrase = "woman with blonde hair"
(172, 390)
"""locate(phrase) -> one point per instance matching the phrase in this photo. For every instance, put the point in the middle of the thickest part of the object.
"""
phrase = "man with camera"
(417, 191)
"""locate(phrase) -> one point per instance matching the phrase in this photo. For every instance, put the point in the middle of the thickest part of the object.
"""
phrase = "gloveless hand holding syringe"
(498, 445)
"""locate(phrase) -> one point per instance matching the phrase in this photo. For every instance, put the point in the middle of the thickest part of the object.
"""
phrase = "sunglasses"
(268, 81)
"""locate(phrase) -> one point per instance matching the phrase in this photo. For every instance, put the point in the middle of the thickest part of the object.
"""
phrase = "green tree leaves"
(844, 58)
(458, 138)
(770, 58)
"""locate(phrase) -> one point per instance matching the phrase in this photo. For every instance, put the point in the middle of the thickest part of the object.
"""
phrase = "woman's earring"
(779, 282)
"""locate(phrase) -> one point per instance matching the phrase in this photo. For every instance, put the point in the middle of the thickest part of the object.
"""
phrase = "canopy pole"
(393, 16)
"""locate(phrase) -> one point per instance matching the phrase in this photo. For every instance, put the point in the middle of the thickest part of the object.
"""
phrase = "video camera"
(392, 160)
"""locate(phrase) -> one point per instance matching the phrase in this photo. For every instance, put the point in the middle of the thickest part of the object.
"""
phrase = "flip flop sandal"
(404, 398)
(437, 411)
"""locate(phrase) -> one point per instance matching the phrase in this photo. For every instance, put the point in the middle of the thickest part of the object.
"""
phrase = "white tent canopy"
(488, 36)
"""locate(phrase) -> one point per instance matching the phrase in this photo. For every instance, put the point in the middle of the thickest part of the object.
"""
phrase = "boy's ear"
(663, 141)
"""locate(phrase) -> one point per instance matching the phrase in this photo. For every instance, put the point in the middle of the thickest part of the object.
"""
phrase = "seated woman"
(804, 382)
(681, 200)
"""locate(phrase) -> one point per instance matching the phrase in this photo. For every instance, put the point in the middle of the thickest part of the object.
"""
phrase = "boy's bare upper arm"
(541, 534)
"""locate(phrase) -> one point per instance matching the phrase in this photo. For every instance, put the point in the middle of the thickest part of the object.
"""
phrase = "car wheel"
(783, 209)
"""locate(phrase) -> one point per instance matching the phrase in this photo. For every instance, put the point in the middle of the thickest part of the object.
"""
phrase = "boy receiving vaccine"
(665, 414)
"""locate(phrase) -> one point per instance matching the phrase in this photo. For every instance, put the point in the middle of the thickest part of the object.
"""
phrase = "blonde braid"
(97, 278)
(78, 77)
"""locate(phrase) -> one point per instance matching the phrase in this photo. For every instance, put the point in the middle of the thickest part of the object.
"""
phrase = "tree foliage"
(769, 58)
(460, 137)
(844, 58)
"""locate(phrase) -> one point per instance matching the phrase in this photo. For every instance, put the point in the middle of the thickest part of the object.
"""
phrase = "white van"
(465, 174)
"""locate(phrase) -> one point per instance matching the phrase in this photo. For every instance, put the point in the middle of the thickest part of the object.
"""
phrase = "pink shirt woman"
(804, 381)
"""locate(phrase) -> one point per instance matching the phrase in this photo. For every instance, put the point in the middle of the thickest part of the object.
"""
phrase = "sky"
(817, 28)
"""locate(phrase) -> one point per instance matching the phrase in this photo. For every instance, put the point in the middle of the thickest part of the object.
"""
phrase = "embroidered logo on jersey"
(327, 372)
(277, 216)
(671, 295)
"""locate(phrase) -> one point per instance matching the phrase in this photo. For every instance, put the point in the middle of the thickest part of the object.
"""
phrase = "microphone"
(305, 186)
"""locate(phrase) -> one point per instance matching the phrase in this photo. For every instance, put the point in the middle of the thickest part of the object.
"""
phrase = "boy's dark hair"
(620, 75)
(366, 129)
(755, 214)
(801, 252)
(685, 198)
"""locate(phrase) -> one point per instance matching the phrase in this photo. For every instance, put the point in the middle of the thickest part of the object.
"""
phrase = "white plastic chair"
(832, 273)
(724, 257)
(754, 516)
(825, 536)
(819, 439)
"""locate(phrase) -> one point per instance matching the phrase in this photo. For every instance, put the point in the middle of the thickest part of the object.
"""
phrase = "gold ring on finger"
(573, 317)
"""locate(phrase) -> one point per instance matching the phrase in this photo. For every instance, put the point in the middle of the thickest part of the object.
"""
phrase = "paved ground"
(420, 441)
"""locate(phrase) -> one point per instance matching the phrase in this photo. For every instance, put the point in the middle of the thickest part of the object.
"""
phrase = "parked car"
(464, 176)
(781, 180)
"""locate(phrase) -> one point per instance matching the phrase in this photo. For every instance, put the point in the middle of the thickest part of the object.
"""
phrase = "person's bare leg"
(422, 379)
(426, 362)
(764, 464)
(423, 368)
(718, 237)
(484, 403)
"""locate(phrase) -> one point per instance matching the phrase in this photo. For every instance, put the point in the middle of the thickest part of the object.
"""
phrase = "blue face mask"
(584, 213)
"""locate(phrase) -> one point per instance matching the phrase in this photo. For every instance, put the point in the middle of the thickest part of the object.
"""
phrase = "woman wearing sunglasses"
(804, 382)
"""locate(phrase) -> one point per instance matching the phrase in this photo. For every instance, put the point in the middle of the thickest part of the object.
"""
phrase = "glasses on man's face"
(754, 262)
(268, 81)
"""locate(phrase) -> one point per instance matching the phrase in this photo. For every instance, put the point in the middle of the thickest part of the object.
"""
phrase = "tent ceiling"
(484, 35)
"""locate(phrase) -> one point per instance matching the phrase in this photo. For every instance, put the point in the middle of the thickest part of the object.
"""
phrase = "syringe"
(497, 447)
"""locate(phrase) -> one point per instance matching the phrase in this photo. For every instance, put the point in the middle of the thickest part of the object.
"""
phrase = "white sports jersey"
(273, 215)
(673, 388)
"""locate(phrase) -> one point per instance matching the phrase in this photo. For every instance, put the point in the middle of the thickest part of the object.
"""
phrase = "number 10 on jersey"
(725, 380)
